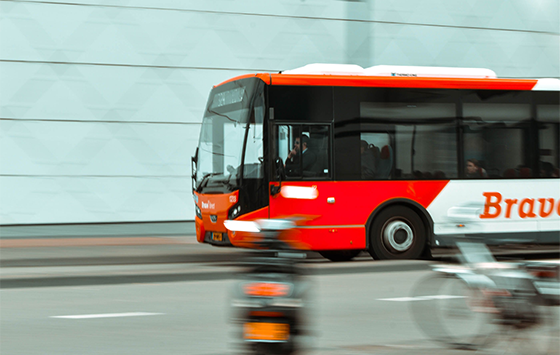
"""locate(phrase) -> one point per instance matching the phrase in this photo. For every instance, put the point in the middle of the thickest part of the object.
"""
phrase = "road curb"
(109, 280)
(120, 260)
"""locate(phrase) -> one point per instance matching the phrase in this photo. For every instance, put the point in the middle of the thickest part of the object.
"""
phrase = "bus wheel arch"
(399, 229)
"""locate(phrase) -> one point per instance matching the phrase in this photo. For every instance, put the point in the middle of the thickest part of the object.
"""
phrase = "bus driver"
(293, 160)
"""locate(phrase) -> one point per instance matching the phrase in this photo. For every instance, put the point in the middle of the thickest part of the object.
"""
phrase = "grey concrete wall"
(98, 230)
(101, 101)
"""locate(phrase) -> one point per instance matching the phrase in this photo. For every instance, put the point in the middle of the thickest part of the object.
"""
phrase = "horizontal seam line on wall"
(131, 65)
(92, 223)
(93, 121)
(281, 16)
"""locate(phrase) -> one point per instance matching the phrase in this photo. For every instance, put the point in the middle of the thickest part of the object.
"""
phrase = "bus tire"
(397, 232)
(339, 255)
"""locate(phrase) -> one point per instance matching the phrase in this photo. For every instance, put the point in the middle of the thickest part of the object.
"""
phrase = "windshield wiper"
(224, 115)
(205, 180)
(228, 184)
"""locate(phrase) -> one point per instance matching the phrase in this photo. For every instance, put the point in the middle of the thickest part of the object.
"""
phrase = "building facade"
(101, 100)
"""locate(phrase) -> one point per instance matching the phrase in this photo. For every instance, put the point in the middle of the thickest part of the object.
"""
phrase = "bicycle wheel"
(448, 311)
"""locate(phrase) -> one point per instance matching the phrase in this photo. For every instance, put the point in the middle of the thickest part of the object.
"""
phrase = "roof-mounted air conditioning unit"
(429, 72)
(327, 69)
(392, 70)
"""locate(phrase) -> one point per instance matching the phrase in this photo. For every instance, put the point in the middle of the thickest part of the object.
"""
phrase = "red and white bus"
(392, 160)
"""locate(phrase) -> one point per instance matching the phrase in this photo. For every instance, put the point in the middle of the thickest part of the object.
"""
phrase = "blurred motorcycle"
(269, 299)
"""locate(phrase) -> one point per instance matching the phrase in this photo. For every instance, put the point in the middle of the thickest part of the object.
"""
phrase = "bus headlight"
(234, 212)
(197, 211)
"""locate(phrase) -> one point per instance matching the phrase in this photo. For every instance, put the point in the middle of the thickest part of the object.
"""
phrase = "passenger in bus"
(524, 172)
(293, 160)
(385, 165)
(474, 170)
(368, 160)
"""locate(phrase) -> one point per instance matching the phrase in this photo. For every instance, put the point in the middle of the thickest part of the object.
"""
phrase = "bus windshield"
(233, 116)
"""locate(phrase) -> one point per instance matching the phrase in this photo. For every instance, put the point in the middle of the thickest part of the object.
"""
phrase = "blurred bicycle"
(480, 304)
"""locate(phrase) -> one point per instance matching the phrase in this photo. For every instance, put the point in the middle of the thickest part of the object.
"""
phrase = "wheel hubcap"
(398, 236)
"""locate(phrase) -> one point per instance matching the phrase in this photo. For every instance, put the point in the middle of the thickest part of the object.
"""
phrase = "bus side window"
(549, 131)
(376, 155)
(319, 144)
(496, 140)
(287, 145)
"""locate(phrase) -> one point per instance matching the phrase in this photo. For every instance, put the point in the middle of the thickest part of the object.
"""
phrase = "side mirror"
(280, 175)
(195, 157)
(280, 172)
(194, 161)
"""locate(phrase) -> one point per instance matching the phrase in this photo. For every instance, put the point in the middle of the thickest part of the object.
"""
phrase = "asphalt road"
(350, 313)
(191, 317)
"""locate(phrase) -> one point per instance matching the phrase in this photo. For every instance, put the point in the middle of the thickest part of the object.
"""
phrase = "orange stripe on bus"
(402, 82)
(389, 81)
(263, 76)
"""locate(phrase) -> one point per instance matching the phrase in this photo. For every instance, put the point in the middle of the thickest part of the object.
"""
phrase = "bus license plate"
(217, 236)
(266, 331)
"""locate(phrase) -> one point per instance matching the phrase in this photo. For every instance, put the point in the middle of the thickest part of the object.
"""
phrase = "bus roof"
(350, 75)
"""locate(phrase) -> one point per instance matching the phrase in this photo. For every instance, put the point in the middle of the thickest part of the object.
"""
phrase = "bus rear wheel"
(397, 233)
(339, 255)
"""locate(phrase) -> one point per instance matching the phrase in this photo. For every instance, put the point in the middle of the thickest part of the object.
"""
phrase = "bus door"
(302, 155)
